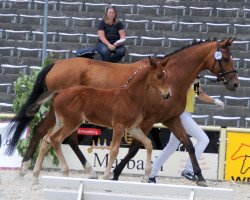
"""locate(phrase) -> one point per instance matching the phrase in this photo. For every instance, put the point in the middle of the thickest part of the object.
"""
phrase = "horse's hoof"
(65, 174)
(202, 183)
(145, 180)
(94, 176)
(22, 174)
(25, 168)
(26, 165)
(35, 181)
(115, 177)
(106, 177)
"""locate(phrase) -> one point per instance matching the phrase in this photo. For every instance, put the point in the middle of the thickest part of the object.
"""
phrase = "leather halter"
(221, 75)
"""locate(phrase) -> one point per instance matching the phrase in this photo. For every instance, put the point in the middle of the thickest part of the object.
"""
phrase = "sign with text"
(238, 157)
(7, 162)
(172, 168)
(89, 131)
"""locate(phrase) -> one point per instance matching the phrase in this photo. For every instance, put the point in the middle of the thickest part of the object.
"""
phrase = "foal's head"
(158, 77)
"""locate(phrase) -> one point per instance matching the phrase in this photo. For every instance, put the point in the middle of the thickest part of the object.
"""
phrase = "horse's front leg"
(177, 128)
(145, 126)
(139, 135)
(132, 151)
(118, 130)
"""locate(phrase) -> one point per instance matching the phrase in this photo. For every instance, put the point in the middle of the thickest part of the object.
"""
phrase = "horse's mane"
(194, 43)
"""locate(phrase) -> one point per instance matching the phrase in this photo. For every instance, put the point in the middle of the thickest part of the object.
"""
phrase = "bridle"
(218, 58)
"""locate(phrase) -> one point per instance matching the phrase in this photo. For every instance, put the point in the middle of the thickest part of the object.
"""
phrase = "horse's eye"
(226, 58)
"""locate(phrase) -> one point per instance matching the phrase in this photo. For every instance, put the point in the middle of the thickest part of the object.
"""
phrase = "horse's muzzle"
(233, 86)
(167, 95)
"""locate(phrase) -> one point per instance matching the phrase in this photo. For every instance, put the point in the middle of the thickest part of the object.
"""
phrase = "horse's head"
(221, 64)
(158, 77)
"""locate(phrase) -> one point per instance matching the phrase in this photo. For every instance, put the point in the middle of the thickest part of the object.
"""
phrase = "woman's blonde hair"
(105, 16)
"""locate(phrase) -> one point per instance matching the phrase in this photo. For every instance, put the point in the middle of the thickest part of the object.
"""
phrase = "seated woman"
(111, 30)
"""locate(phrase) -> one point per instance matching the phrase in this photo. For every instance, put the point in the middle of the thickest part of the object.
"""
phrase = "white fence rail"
(64, 188)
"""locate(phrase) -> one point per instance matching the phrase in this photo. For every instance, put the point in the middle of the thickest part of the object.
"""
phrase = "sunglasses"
(111, 7)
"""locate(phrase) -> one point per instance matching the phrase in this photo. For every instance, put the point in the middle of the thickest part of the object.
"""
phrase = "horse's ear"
(233, 39)
(230, 41)
(152, 62)
(164, 63)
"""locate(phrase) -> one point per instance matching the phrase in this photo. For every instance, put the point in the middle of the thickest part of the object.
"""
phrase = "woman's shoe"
(189, 175)
(152, 180)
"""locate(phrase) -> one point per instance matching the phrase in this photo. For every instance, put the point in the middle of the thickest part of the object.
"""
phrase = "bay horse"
(121, 109)
(183, 67)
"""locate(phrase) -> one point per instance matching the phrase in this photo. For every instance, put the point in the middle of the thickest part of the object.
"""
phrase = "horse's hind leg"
(176, 127)
(139, 135)
(73, 142)
(42, 152)
(118, 130)
(56, 140)
(39, 132)
(46, 143)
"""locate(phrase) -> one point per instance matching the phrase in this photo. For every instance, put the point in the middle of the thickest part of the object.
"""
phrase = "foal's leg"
(39, 132)
(118, 130)
(146, 126)
(73, 142)
(176, 127)
(139, 135)
(63, 131)
(42, 152)
(56, 140)
(46, 143)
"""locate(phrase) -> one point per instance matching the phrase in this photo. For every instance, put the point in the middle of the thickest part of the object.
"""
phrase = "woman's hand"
(112, 47)
(117, 45)
(219, 103)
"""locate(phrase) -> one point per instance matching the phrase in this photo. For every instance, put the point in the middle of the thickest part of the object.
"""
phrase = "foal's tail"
(46, 96)
(21, 120)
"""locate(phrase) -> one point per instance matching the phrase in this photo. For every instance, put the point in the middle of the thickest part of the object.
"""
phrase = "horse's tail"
(46, 96)
(21, 120)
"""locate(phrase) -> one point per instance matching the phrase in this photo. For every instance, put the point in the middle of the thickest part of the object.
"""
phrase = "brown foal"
(121, 109)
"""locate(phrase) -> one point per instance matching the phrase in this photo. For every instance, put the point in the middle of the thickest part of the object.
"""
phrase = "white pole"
(222, 154)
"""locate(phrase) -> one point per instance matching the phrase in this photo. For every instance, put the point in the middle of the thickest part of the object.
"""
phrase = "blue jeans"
(110, 56)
